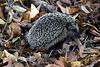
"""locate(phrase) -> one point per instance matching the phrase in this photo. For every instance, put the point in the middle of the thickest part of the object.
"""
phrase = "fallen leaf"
(1, 36)
(53, 59)
(96, 40)
(8, 43)
(73, 43)
(32, 59)
(34, 11)
(74, 17)
(16, 0)
(76, 64)
(1, 14)
(81, 50)
(18, 20)
(39, 7)
(83, 2)
(58, 62)
(37, 0)
(77, 3)
(52, 65)
(10, 18)
(81, 20)
(85, 61)
(66, 1)
(72, 57)
(62, 59)
(26, 24)
(14, 30)
(62, 8)
(91, 51)
(8, 56)
(9, 63)
(94, 50)
(18, 65)
(2, 22)
(16, 54)
(27, 16)
(84, 9)
(71, 9)
(95, 63)
(22, 59)
(41, 13)
(94, 32)
(93, 27)
(20, 9)
(42, 50)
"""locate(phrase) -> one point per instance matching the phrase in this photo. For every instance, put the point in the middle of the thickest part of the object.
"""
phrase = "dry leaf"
(81, 50)
(94, 50)
(72, 56)
(18, 20)
(63, 61)
(8, 44)
(84, 9)
(1, 36)
(10, 18)
(9, 63)
(96, 40)
(53, 59)
(38, 56)
(72, 10)
(39, 7)
(52, 65)
(16, 54)
(1, 21)
(81, 20)
(8, 56)
(76, 64)
(77, 3)
(14, 30)
(34, 11)
(16, 0)
(93, 27)
(58, 62)
(41, 13)
(83, 2)
(94, 32)
(96, 63)
(20, 9)
(62, 8)
(26, 24)
(74, 17)
(66, 1)
(18, 65)
(23, 59)
(1, 14)
(27, 16)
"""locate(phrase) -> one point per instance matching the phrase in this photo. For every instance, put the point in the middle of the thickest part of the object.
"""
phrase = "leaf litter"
(18, 16)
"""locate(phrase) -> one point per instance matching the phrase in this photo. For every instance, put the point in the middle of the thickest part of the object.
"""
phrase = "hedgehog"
(50, 29)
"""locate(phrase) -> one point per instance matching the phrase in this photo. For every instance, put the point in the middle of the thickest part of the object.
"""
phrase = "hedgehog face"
(73, 30)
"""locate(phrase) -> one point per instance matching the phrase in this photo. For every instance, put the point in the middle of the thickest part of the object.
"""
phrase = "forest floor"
(18, 16)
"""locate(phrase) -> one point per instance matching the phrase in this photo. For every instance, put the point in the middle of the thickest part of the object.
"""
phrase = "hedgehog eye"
(75, 30)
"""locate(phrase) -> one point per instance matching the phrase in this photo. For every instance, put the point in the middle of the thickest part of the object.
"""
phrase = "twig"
(22, 4)
(50, 53)
(94, 17)
(7, 16)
